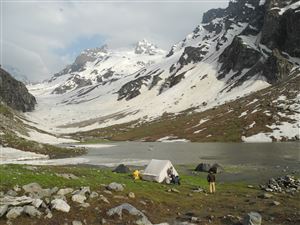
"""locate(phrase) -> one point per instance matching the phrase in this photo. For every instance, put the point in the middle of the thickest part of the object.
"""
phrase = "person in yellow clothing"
(136, 175)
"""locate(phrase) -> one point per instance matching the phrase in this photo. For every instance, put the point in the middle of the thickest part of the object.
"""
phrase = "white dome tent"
(157, 170)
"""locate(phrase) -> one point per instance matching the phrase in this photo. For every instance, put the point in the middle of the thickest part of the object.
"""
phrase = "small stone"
(85, 205)
(76, 222)
(143, 202)
(78, 198)
(48, 216)
(276, 203)
(107, 192)
(252, 218)
(104, 199)
(17, 188)
(14, 212)
(131, 195)
(175, 190)
(94, 194)
(266, 196)
(250, 186)
(120, 197)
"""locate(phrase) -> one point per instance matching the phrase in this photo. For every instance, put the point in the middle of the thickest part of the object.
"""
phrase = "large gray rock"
(252, 218)
(60, 205)
(142, 219)
(36, 191)
(16, 201)
(115, 187)
(3, 210)
(203, 167)
(14, 212)
(31, 211)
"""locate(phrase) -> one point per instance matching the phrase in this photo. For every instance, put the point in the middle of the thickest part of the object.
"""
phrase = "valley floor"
(160, 202)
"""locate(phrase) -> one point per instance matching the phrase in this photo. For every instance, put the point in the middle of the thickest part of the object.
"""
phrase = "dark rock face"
(14, 93)
(132, 88)
(281, 31)
(277, 68)
(189, 55)
(237, 57)
(78, 82)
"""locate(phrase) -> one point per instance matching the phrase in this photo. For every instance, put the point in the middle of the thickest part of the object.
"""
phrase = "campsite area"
(188, 203)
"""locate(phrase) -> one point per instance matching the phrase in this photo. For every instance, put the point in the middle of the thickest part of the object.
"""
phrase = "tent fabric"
(157, 170)
(121, 169)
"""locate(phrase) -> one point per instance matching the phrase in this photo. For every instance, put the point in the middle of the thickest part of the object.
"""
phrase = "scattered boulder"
(3, 210)
(60, 205)
(37, 191)
(78, 198)
(83, 191)
(143, 220)
(252, 218)
(203, 167)
(31, 211)
(14, 212)
(107, 192)
(121, 169)
(68, 176)
(32, 188)
(115, 187)
(65, 191)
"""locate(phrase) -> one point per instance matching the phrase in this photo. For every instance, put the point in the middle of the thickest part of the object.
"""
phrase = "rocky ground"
(80, 195)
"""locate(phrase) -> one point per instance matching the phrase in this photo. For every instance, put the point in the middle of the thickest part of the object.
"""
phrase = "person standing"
(211, 178)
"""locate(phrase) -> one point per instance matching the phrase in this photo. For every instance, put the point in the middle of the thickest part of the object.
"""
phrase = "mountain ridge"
(228, 56)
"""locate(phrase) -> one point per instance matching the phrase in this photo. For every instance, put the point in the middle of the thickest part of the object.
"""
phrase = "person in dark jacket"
(211, 178)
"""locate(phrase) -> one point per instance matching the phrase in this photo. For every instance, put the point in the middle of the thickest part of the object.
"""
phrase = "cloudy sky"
(40, 37)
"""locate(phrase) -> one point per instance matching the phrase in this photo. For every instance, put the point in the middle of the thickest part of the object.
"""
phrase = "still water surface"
(256, 154)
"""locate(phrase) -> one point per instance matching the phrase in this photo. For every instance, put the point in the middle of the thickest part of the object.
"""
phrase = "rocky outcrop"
(14, 93)
(281, 27)
(277, 68)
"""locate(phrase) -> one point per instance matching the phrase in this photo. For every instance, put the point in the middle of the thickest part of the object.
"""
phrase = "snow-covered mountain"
(246, 47)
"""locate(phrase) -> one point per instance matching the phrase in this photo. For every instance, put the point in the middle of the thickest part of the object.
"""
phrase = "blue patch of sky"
(80, 44)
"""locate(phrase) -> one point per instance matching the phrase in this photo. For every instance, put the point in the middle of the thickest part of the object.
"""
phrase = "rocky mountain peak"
(145, 47)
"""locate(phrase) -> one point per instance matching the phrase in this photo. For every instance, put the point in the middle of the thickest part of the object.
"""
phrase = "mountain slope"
(14, 93)
(229, 55)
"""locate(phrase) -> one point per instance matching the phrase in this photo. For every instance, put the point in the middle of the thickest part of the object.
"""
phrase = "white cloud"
(32, 31)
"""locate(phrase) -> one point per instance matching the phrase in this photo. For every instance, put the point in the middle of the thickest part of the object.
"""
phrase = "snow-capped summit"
(146, 47)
